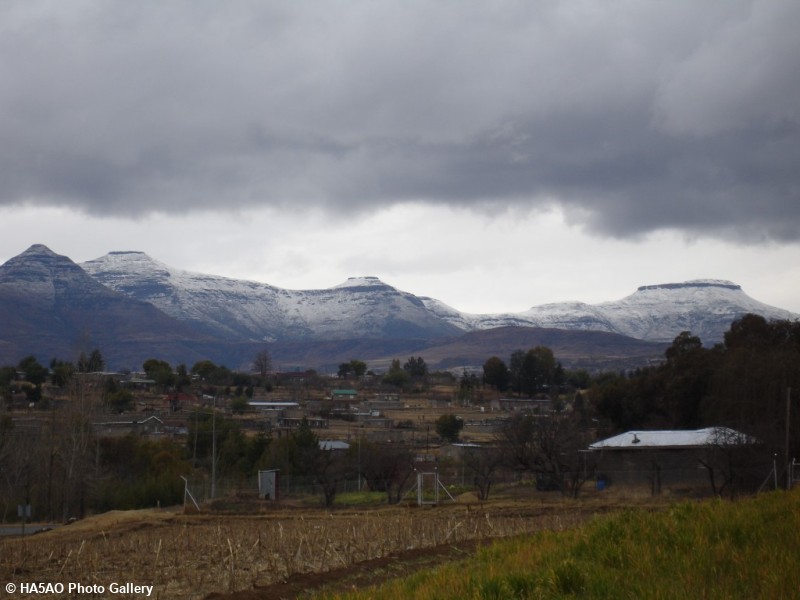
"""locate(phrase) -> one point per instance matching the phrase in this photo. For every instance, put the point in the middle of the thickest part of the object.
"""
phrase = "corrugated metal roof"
(333, 445)
(673, 439)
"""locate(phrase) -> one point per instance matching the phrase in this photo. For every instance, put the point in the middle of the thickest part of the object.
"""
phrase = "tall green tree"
(415, 367)
(354, 367)
(496, 374)
(61, 372)
(534, 370)
(448, 427)
(160, 371)
(34, 372)
(397, 376)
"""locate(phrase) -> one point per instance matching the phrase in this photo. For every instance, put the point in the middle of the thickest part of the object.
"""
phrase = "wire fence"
(667, 481)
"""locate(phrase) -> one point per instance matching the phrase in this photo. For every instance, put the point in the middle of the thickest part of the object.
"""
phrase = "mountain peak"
(38, 250)
(41, 259)
(367, 281)
(126, 257)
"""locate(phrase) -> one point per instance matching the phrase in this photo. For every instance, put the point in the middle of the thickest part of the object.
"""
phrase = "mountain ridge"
(49, 306)
(137, 298)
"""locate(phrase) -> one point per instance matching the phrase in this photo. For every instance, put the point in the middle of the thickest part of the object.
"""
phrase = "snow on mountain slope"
(50, 307)
(366, 307)
(227, 307)
(706, 307)
(359, 307)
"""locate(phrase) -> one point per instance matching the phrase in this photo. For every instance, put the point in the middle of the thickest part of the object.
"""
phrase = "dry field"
(194, 556)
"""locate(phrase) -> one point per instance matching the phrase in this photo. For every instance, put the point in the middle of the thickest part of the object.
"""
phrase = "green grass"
(360, 498)
(712, 550)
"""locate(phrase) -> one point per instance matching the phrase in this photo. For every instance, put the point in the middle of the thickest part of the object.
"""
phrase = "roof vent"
(636, 439)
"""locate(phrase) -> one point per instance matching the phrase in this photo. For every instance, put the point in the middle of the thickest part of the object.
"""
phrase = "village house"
(676, 460)
(151, 425)
(347, 395)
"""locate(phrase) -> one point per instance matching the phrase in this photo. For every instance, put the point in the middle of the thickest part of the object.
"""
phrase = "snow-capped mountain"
(50, 307)
(366, 307)
(135, 307)
(658, 313)
(246, 310)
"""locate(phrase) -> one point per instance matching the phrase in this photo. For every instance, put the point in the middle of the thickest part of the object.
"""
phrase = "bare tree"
(729, 460)
(19, 454)
(387, 468)
(482, 462)
(75, 447)
(552, 447)
(262, 363)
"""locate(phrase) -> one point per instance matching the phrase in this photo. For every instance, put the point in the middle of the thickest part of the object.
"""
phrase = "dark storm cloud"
(633, 117)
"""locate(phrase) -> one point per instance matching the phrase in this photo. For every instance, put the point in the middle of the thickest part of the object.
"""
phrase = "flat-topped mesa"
(697, 283)
(367, 281)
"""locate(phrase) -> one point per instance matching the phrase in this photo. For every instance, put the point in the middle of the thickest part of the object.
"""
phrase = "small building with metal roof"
(676, 460)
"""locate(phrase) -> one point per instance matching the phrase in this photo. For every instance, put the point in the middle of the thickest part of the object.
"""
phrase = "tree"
(387, 468)
(61, 372)
(749, 390)
(396, 376)
(182, 378)
(210, 373)
(35, 374)
(534, 370)
(262, 363)
(323, 464)
(355, 367)
(139, 472)
(93, 363)
(560, 453)
(496, 374)
(515, 370)
(685, 344)
(552, 448)
(729, 460)
(415, 367)
(467, 385)
(448, 427)
(481, 463)
(120, 400)
(239, 405)
(685, 380)
(159, 371)
(204, 369)
(517, 442)
(74, 445)
(306, 449)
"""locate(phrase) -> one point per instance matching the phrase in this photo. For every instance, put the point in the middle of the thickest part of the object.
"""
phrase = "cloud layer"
(632, 117)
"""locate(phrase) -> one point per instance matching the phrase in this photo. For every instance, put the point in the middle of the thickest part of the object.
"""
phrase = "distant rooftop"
(673, 439)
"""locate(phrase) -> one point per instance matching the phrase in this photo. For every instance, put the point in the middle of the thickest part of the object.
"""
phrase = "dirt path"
(360, 575)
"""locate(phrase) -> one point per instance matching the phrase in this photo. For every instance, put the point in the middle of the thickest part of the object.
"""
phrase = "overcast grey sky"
(494, 155)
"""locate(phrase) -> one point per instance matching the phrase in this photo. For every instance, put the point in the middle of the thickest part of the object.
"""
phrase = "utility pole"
(786, 440)
(214, 450)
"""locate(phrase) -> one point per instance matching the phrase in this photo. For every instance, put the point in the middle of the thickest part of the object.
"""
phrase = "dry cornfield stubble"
(190, 556)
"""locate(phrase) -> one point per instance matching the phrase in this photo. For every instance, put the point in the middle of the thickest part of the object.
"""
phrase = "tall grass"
(715, 549)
